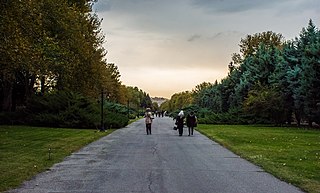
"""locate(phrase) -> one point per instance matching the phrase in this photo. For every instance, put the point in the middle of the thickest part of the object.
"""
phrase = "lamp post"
(128, 109)
(102, 118)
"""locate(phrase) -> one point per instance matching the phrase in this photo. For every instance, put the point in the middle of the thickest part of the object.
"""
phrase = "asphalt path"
(129, 160)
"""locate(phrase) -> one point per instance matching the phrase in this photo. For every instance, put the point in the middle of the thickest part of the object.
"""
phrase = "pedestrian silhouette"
(191, 122)
(179, 122)
(148, 120)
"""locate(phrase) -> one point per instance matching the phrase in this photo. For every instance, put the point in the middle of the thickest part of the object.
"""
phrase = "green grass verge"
(24, 151)
(291, 154)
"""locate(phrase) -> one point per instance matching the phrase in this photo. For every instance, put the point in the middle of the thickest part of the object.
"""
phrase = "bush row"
(67, 109)
(233, 116)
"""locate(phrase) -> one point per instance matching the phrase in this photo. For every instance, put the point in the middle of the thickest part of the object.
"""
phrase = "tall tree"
(21, 33)
(179, 101)
(250, 44)
(309, 47)
(198, 91)
(137, 98)
(49, 44)
(284, 80)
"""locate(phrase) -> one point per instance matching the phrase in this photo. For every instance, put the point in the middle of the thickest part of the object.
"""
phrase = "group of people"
(191, 121)
(160, 113)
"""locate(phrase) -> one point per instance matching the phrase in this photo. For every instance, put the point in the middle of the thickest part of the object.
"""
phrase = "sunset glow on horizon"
(165, 47)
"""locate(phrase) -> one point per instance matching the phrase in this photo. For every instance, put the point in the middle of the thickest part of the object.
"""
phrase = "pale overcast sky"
(169, 46)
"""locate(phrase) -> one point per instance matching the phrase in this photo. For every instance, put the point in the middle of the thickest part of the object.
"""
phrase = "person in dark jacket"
(179, 122)
(191, 122)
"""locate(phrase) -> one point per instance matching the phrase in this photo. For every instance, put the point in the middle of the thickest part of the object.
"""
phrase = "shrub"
(68, 109)
(116, 115)
(234, 116)
(12, 118)
(63, 109)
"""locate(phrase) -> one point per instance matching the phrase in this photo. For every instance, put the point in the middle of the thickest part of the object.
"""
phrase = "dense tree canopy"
(48, 46)
(52, 50)
(137, 98)
(269, 81)
(178, 101)
(51, 45)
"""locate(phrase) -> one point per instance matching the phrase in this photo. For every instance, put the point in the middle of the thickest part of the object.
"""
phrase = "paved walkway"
(128, 160)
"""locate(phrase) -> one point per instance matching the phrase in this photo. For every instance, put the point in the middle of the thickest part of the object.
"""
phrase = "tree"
(46, 45)
(254, 63)
(250, 44)
(21, 33)
(283, 79)
(294, 80)
(109, 81)
(309, 46)
(265, 104)
(137, 98)
(198, 92)
(178, 101)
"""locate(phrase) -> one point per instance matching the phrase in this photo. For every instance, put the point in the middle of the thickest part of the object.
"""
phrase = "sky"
(169, 46)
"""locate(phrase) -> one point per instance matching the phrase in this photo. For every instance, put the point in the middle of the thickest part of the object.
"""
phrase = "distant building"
(158, 100)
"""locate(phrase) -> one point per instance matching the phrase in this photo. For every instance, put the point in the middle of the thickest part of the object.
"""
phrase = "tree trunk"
(7, 96)
(42, 83)
(298, 118)
(29, 87)
(310, 122)
(289, 117)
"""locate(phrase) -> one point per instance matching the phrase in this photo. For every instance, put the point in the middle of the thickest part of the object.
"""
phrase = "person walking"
(191, 122)
(148, 120)
(179, 122)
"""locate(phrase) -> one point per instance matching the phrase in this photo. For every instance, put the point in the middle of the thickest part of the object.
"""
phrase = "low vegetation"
(24, 151)
(292, 154)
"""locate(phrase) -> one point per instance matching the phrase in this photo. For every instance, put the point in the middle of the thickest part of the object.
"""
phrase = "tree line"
(54, 47)
(270, 81)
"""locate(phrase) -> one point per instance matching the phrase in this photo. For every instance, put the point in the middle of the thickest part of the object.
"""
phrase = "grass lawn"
(24, 151)
(291, 154)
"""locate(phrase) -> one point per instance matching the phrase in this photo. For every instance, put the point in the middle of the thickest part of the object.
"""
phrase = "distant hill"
(158, 100)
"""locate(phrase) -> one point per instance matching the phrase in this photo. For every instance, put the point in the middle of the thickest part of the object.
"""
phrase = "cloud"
(153, 16)
(194, 37)
(234, 6)
(287, 7)
(300, 6)
(102, 6)
(227, 34)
